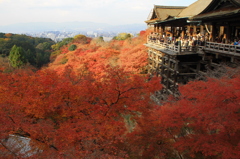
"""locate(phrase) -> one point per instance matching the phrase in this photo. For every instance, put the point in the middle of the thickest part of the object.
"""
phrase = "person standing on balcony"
(235, 42)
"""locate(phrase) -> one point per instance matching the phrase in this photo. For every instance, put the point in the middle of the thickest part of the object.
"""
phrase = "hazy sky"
(106, 11)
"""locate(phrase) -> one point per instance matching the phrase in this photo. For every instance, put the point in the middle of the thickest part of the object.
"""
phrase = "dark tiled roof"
(218, 13)
(197, 10)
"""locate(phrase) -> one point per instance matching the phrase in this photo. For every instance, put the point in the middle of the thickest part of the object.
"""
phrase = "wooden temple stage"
(216, 22)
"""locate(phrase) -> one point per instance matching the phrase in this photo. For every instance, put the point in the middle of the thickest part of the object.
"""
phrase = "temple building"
(188, 41)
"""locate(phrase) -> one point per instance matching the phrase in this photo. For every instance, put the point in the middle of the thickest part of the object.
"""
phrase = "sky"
(115, 12)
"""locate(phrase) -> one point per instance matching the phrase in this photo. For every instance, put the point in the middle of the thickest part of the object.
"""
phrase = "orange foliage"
(131, 55)
(8, 35)
(96, 105)
(203, 123)
(72, 114)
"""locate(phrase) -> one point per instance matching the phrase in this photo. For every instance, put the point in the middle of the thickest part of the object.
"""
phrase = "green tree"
(122, 36)
(42, 58)
(72, 47)
(17, 57)
(44, 46)
(62, 43)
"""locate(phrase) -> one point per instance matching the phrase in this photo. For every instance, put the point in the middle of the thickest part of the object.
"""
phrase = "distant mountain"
(70, 26)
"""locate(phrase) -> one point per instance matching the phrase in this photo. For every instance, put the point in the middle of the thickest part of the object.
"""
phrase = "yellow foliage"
(8, 35)
(79, 36)
(7, 39)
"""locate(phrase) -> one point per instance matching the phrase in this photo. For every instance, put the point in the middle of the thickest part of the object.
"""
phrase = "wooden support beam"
(158, 28)
(188, 63)
(228, 34)
(201, 29)
(186, 74)
(162, 29)
(194, 30)
(183, 32)
(198, 67)
(189, 30)
(213, 32)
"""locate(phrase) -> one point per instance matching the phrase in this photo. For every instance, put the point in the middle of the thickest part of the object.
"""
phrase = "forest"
(32, 50)
(94, 99)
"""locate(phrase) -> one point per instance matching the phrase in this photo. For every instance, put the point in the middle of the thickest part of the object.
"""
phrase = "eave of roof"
(152, 20)
(170, 20)
(215, 14)
(170, 7)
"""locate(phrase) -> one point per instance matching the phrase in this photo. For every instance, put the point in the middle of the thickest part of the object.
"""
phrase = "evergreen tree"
(17, 57)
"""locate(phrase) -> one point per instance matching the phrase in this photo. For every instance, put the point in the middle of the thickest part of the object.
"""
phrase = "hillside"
(95, 55)
(33, 50)
(94, 101)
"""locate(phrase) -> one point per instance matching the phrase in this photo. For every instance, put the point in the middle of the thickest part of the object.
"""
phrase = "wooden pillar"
(201, 29)
(232, 35)
(168, 72)
(198, 67)
(162, 29)
(175, 33)
(194, 30)
(157, 28)
(183, 32)
(213, 32)
(228, 34)
(172, 33)
(221, 33)
(188, 30)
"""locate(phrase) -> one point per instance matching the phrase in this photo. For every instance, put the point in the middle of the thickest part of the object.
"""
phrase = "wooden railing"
(209, 46)
(174, 48)
(223, 48)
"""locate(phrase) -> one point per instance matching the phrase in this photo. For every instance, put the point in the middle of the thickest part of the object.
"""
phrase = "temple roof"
(201, 9)
(164, 12)
(195, 8)
(218, 14)
(212, 11)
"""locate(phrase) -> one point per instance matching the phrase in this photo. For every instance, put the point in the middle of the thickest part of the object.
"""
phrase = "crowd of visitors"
(198, 40)
(184, 42)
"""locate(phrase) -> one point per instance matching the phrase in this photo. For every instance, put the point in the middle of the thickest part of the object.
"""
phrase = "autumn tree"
(73, 115)
(122, 36)
(82, 39)
(202, 123)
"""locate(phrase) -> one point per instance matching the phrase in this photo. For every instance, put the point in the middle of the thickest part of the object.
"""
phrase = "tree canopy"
(96, 102)
(17, 57)
(37, 50)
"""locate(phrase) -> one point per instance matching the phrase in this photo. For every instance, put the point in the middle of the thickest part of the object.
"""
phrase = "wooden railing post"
(179, 47)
